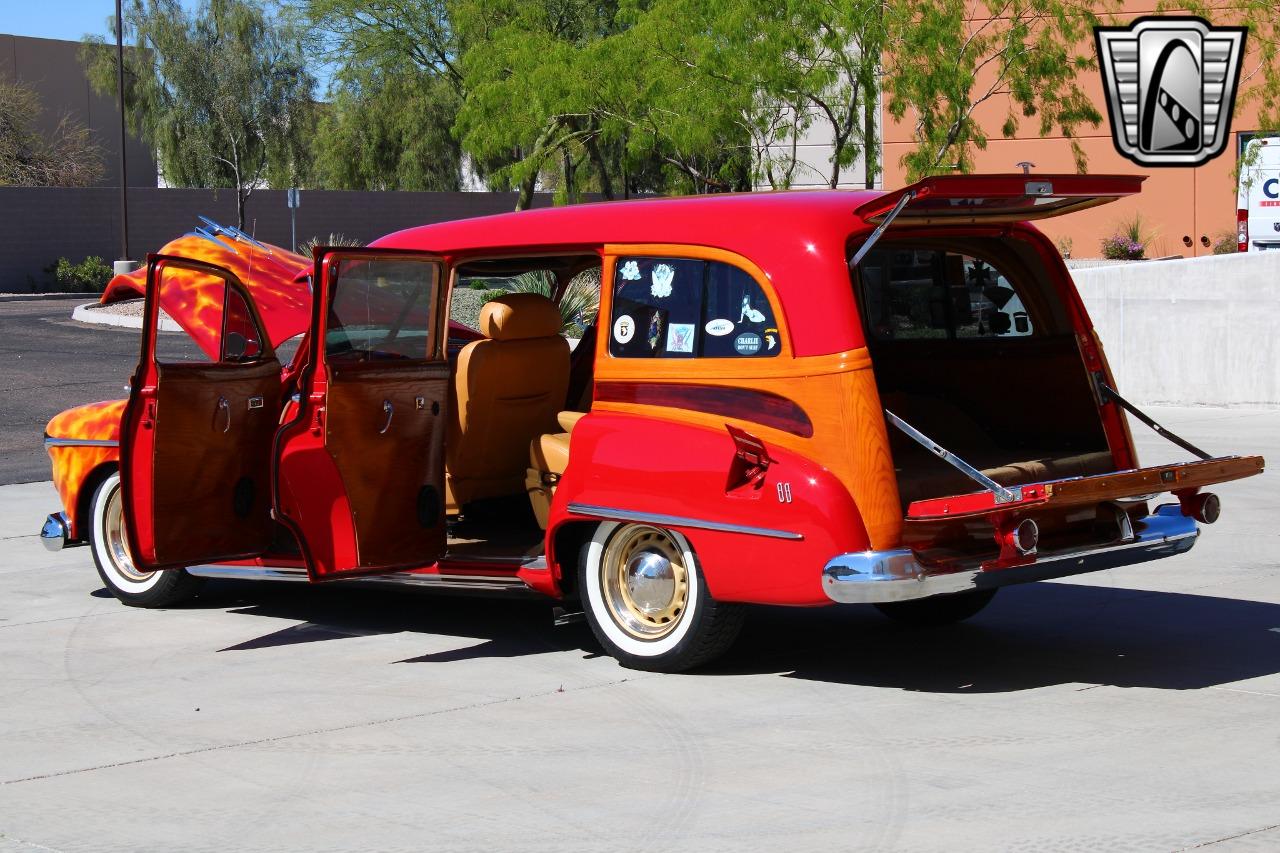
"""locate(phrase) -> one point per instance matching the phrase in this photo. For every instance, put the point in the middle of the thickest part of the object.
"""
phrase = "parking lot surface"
(1133, 709)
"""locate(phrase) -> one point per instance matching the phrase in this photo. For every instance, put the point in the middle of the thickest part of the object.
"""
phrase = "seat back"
(507, 391)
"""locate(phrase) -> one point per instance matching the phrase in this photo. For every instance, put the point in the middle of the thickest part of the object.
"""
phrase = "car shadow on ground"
(1031, 636)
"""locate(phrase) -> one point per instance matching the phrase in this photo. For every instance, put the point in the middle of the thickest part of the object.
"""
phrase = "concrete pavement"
(1135, 709)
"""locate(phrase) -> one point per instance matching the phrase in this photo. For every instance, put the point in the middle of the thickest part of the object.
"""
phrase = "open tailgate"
(1182, 479)
(998, 198)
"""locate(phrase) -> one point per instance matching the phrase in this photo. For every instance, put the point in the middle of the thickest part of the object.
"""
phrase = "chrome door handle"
(225, 407)
(390, 410)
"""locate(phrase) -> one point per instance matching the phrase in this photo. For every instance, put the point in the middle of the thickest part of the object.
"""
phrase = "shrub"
(1226, 243)
(1130, 241)
(89, 276)
(335, 239)
(1064, 245)
(578, 305)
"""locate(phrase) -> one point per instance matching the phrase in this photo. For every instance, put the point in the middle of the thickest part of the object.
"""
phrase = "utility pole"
(294, 200)
(124, 265)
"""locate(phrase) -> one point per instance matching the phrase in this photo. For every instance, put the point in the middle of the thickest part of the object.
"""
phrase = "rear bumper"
(875, 577)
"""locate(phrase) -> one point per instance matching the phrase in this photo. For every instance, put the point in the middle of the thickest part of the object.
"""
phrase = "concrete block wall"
(1197, 332)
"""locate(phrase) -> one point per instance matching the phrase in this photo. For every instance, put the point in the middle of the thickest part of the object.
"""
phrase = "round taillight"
(1206, 508)
(1026, 536)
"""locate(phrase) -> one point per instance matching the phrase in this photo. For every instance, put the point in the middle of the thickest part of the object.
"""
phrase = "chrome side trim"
(56, 532)
(679, 521)
(50, 441)
(431, 581)
(875, 577)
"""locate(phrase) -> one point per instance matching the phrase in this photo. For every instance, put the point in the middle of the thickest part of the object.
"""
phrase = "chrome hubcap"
(645, 581)
(116, 542)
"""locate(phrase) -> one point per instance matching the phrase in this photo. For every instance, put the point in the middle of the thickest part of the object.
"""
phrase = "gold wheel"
(645, 581)
(115, 541)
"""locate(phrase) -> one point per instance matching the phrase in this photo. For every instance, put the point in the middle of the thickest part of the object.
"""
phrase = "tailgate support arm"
(1108, 394)
(884, 223)
(1003, 495)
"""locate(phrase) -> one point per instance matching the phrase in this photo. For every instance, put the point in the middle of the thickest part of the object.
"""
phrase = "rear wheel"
(938, 609)
(647, 602)
(115, 565)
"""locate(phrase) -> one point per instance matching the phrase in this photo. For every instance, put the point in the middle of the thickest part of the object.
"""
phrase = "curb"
(40, 297)
(86, 314)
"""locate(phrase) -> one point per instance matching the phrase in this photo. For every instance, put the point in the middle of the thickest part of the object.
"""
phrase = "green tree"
(68, 158)
(223, 93)
(941, 66)
(388, 129)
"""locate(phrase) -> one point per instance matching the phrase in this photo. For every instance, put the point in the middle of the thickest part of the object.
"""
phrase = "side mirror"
(234, 347)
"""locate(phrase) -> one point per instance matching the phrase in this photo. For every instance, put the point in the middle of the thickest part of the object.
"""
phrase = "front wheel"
(938, 610)
(647, 602)
(115, 565)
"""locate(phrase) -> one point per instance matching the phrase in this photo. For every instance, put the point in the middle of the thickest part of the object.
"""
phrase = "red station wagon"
(799, 398)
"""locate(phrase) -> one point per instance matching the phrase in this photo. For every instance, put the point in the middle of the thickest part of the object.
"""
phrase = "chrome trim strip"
(679, 521)
(50, 441)
(436, 581)
(874, 577)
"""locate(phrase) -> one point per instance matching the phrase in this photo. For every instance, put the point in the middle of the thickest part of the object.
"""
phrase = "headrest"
(520, 315)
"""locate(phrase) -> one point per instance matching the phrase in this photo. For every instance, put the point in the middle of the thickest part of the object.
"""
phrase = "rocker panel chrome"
(679, 521)
(416, 579)
(876, 577)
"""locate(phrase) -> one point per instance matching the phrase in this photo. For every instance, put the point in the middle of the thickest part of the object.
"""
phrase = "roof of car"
(743, 222)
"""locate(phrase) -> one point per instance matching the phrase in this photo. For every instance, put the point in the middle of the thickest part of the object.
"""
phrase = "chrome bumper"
(56, 533)
(875, 577)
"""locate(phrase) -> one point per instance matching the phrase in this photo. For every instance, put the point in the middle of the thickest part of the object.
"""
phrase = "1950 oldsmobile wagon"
(798, 398)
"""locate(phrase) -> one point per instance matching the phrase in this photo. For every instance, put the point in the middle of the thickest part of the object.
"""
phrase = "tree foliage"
(67, 158)
(222, 92)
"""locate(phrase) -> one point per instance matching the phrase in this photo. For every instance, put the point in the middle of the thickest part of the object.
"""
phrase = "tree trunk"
(530, 181)
(870, 138)
(602, 169)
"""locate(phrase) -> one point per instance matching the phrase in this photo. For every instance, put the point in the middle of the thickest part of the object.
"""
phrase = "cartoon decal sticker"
(750, 314)
(680, 337)
(770, 339)
(624, 329)
(630, 271)
(719, 327)
(747, 343)
(662, 277)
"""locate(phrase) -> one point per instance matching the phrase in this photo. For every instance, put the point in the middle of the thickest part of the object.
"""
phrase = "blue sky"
(58, 19)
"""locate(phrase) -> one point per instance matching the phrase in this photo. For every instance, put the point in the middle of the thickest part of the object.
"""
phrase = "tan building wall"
(1179, 204)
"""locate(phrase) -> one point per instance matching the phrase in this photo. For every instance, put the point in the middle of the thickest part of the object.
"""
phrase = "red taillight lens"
(1242, 230)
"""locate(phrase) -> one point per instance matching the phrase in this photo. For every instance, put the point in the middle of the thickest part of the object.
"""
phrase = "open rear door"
(955, 199)
(195, 441)
(361, 464)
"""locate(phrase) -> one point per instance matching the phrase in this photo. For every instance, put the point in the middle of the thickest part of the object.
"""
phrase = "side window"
(382, 309)
(680, 308)
(220, 323)
(931, 293)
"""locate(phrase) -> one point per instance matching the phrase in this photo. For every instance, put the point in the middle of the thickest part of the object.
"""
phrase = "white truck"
(1258, 205)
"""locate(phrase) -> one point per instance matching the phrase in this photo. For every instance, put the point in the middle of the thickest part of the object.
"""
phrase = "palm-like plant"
(578, 305)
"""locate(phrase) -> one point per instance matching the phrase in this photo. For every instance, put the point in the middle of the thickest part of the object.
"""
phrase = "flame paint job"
(276, 279)
(73, 464)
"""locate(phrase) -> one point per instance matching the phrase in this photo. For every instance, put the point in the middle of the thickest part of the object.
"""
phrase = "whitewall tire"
(647, 602)
(115, 566)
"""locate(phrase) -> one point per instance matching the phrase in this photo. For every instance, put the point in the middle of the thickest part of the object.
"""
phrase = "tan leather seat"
(505, 394)
(549, 457)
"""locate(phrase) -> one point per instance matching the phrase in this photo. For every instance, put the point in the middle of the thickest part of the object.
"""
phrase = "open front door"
(195, 442)
(361, 464)
(955, 199)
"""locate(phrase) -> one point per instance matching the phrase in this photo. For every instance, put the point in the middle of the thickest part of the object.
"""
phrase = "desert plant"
(578, 304)
(1064, 245)
(1226, 243)
(334, 239)
(89, 276)
(1130, 240)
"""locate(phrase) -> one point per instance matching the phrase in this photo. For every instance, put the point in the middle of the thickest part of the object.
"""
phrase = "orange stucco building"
(1179, 204)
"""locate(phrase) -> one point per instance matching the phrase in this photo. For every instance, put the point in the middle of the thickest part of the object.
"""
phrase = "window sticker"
(747, 343)
(680, 337)
(770, 339)
(662, 277)
(719, 327)
(630, 271)
(655, 330)
(624, 329)
(750, 314)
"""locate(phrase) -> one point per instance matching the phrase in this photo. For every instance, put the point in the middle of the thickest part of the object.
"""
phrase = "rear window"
(925, 293)
(681, 308)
